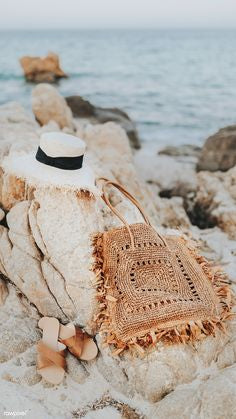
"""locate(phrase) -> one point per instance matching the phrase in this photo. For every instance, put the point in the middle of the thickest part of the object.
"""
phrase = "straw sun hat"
(59, 161)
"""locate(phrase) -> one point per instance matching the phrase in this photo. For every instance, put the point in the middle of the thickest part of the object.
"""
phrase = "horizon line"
(119, 28)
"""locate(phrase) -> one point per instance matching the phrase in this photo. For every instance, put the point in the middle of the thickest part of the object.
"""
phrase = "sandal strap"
(48, 357)
(75, 343)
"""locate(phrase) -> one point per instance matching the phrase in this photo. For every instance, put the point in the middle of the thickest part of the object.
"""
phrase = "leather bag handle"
(128, 195)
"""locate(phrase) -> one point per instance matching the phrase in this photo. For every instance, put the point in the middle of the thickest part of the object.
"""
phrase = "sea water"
(178, 85)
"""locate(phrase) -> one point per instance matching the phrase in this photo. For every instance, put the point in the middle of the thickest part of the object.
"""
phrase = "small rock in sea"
(42, 69)
(82, 108)
(219, 151)
(48, 105)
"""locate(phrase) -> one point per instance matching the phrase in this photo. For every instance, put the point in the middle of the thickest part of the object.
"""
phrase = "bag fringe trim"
(188, 332)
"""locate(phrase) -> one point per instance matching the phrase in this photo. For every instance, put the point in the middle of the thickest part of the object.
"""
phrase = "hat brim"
(38, 174)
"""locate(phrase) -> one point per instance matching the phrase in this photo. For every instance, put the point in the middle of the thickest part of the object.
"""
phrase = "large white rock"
(18, 325)
(46, 254)
(63, 227)
(25, 272)
(163, 370)
(213, 397)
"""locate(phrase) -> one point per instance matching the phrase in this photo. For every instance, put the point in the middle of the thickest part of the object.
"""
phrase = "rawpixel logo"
(14, 413)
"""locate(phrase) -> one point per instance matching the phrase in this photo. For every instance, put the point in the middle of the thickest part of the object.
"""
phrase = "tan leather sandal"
(51, 362)
(78, 342)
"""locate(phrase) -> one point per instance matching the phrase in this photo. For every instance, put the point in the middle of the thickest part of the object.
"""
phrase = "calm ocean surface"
(178, 85)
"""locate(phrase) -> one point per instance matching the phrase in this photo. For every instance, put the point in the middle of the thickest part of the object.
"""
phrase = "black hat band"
(65, 163)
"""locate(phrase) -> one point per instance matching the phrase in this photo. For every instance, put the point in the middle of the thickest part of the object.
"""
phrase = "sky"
(77, 14)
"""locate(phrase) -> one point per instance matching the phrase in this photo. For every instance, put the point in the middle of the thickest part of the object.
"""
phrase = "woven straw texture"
(156, 291)
(154, 286)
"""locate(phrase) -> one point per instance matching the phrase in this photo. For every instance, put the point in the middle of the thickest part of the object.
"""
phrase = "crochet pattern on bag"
(156, 291)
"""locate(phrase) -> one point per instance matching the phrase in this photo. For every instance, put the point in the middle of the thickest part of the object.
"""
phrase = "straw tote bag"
(152, 288)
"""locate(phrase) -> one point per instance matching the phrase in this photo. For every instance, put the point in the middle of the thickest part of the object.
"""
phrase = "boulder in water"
(42, 69)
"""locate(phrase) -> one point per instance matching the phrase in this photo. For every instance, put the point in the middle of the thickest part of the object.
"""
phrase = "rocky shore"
(180, 189)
